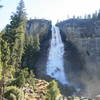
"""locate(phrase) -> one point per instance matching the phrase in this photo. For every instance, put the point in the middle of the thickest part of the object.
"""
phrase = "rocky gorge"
(81, 38)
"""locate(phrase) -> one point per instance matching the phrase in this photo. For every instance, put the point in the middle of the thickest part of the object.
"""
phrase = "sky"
(49, 9)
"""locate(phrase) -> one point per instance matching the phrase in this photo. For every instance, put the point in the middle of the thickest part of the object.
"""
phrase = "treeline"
(94, 16)
(18, 53)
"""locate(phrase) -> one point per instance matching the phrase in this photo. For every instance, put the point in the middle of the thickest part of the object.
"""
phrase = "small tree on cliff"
(53, 91)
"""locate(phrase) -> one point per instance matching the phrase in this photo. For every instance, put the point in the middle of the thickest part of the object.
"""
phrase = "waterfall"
(55, 63)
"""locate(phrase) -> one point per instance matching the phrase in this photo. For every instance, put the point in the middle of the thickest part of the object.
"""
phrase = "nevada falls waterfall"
(55, 63)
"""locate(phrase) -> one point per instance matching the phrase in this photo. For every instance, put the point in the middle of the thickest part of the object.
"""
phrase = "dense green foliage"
(13, 93)
(14, 36)
(53, 91)
(31, 51)
(13, 49)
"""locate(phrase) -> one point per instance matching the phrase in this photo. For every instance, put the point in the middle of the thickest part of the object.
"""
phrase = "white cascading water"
(55, 61)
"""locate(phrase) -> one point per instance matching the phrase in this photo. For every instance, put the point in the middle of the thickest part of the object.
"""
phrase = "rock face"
(38, 26)
(82, 52)
(42, 28)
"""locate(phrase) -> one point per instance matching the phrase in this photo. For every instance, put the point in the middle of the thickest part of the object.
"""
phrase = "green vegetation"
(31, 51)
(14, 36)
(19, 52)
(12, 50)
(13, 93)
(53, 91)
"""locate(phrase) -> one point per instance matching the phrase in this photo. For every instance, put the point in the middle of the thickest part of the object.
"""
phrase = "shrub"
(53, 91)
(20, 81)
(12, 97)
(13, 93)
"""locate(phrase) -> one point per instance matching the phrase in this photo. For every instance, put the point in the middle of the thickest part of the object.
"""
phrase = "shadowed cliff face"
(73, 63)
(82, 53)
(42, 28)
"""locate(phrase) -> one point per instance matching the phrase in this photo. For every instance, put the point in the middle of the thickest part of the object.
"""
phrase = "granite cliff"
(42, 28)
(81, 39)
(82, 52)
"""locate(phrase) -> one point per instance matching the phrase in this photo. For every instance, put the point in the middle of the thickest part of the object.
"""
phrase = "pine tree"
(1, 6)
(88, 16)
(15, 34)
(99, 14)
(0, 61)
(53, 91)
(95, 15)
(20, 82)
(31, 51)
(5, 56)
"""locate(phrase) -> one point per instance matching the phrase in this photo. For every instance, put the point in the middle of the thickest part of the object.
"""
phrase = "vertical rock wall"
(82, 54)
(42, 28)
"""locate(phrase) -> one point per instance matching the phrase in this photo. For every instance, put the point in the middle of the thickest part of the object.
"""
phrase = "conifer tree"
(99, 14)
(53, 91)
(0, 62)
(15, 34)
(1, 5)
(95, 15)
